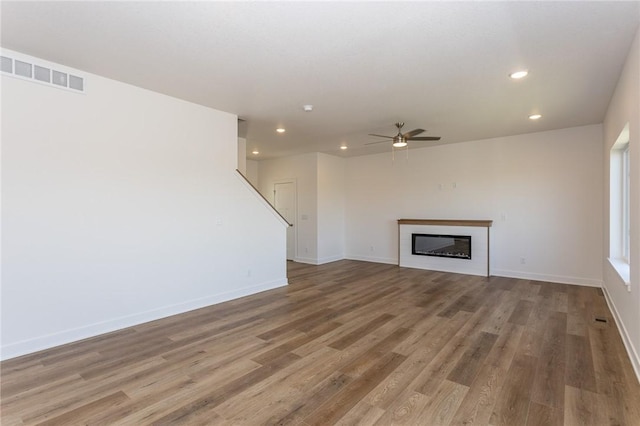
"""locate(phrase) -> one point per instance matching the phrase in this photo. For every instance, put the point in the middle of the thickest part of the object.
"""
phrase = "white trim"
(312, 261)
(623, 270)
(307, 260)
(619, 201)
(626, 206)
(329, 259)
(626, 340)
(588, 282)
(387, 260)
(68, 336)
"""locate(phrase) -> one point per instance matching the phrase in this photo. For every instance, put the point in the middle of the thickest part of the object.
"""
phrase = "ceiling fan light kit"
(401, 139)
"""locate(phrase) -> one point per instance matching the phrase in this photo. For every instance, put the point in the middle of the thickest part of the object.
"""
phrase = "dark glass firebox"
(456, 246)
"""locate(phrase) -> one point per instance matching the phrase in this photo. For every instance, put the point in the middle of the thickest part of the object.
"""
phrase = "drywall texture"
(542, 190)
(331, 208)
(625, 108)
(119, 207)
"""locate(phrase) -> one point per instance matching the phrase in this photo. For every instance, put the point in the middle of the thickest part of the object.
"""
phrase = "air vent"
(23, 69)
(60, 78)
(41, 73)
(7, 64)
(76, 82)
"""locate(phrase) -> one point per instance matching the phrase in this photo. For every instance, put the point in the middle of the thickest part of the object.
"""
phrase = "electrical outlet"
(523, 260)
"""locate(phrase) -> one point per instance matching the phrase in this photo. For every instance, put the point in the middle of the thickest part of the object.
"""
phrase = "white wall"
(331, 208)
(547, 186)
(320, 198)
(119, 207)
(625, 108)
(252, 172)
(301, 169)
(242, 156)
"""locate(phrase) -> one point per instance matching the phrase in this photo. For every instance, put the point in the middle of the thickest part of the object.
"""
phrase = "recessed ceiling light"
(535, 117)
(255, 152)
(343, 147)
(519, 74)
(280, 130)
(307, 108)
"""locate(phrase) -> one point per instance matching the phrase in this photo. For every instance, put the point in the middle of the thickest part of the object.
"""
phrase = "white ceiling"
(441, 66)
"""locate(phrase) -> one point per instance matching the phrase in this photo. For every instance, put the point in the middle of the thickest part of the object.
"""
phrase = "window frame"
(626, 204)
(619, 207)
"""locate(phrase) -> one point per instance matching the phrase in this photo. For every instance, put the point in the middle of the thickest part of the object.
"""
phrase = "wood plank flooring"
(346, 343)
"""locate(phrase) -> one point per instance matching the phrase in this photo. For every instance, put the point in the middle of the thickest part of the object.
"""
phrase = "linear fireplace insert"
(456, 246)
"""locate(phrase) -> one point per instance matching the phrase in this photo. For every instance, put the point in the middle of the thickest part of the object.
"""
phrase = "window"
(626, 209)
(619, 206)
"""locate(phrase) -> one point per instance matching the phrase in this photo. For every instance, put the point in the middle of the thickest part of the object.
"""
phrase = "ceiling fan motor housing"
(400, 140)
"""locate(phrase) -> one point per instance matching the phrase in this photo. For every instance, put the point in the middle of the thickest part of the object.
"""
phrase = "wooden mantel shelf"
(446, 222)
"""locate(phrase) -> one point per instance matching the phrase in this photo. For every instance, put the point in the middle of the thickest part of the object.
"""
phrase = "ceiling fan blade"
(381, 136)
(373, 143)
(413, 133)
(425, 138)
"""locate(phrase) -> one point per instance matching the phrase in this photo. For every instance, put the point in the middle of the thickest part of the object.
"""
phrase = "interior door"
(284, 194)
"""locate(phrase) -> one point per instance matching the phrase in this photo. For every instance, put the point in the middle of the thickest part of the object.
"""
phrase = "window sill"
(622, 269)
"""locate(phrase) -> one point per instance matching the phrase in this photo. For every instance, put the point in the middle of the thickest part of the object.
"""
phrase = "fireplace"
(428, 252)
(455, 246)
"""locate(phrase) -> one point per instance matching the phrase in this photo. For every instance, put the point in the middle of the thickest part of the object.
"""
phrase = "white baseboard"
(628, 344)
(329, 259)
(501, 273)
(322, 261)
(373, 259)
(307, 260)
(24, 347)
(587, 282)
(449, 270)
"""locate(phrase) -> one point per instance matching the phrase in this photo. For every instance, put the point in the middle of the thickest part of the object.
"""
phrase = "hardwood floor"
(347, 343)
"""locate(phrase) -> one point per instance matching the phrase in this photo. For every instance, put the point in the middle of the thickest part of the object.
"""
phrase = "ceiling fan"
(400, 140)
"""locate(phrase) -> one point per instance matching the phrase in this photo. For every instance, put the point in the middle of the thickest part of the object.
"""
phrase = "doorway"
(284, 195)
